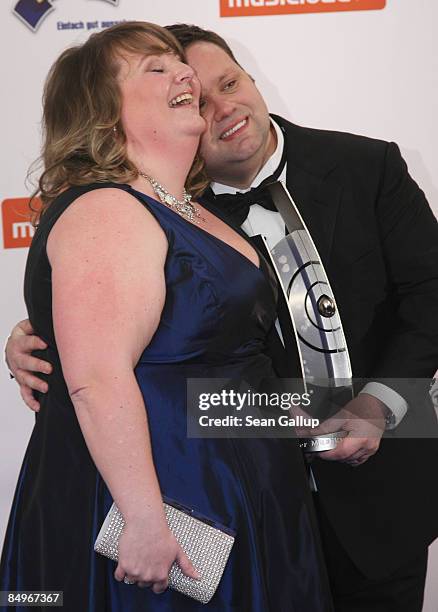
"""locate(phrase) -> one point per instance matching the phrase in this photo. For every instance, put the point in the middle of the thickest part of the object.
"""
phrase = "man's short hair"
(189, 34)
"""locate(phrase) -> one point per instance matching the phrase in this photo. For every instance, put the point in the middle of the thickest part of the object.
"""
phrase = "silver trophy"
(322, 349)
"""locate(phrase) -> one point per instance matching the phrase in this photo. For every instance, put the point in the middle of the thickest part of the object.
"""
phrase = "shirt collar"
(269, 167)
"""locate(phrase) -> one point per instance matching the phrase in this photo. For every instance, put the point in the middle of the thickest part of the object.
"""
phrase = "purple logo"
(33, 12)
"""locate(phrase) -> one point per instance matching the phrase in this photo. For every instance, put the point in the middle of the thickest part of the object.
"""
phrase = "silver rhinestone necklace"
(185, 208)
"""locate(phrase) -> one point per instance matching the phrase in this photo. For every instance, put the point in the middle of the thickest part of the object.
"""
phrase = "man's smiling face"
(237, 140)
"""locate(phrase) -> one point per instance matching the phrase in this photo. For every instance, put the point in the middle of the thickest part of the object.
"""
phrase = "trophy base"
(324, 442)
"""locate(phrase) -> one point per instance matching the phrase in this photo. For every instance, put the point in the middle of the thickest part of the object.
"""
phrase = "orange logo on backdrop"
(246, 8)
(17, 228)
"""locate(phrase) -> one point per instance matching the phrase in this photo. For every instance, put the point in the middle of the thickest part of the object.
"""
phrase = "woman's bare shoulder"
(110, 215)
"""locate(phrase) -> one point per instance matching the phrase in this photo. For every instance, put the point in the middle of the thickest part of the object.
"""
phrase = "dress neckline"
(219, 240)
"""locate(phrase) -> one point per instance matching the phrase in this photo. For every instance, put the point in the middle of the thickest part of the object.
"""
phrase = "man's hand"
(363, 418)
(21, 363)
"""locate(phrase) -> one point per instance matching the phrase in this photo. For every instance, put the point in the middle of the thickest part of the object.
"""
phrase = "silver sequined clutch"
(207, 545)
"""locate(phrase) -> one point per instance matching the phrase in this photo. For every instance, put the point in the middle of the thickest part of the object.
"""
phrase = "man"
(378, 240)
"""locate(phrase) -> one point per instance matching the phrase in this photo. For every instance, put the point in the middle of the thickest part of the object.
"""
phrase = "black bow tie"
(236, 206)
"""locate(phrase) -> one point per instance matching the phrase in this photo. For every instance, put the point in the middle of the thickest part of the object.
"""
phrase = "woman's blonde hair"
(83, 139)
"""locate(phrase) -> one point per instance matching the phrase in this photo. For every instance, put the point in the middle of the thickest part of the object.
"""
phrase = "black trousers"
(353, 592)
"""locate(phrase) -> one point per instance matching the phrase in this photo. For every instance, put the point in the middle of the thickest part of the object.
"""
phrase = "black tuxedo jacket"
(378, 240)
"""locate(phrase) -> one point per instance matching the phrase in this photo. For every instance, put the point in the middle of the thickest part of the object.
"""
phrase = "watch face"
(389, 418)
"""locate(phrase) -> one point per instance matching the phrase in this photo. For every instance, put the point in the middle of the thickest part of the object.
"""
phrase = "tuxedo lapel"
(318, 201)
(284, 355)
(313, 181)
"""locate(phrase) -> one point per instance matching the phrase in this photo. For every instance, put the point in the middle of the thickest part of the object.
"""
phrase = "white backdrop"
(371, 72)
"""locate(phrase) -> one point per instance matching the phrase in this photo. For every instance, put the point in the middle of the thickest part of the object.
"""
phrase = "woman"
(134, 296)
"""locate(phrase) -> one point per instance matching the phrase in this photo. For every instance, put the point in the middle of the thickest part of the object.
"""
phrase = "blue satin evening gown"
(218, 310)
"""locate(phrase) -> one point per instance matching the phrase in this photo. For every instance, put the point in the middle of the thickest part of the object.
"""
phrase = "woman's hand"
(22, 364)
(147, 550)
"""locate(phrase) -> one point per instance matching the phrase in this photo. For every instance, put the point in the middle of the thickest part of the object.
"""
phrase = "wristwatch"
(390, 421)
